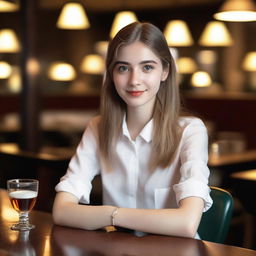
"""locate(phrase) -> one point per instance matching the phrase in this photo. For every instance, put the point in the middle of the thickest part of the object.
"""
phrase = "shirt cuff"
(193, 187)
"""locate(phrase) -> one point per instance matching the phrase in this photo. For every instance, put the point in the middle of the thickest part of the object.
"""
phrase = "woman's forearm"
(182, 221)
(69, 213)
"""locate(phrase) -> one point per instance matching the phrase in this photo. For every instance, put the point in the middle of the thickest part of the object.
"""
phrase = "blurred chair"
(46, 167)
(215, 222)
(244, 188)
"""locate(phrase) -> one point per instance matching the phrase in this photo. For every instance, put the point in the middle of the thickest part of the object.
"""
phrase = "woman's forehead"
(135, 51)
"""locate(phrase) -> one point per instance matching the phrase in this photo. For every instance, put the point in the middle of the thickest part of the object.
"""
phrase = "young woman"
(152, 161)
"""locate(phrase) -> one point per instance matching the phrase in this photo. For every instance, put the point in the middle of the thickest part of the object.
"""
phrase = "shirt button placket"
(135, 166)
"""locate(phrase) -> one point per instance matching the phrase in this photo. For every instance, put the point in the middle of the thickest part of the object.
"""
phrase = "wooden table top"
(48, 239)
(232, 158)
(249, 175)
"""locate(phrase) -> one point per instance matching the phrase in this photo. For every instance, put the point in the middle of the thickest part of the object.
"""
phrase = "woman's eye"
(122, 69)
(148, 67)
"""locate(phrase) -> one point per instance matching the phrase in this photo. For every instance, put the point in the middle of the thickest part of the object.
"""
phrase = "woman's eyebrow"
(148, 61)
(121, 62)
(142, 62)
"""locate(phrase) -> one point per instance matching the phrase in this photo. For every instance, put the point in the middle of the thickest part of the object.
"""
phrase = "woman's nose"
(135, 77)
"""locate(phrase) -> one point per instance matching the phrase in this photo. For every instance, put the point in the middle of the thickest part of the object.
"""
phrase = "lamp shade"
(215, 34)
(60, 71)
(8, 6)
(73, 16)
(201, 79)
(121, 20)
(249, 63)
(177, 34)
(5, 70)
(186, 65)
(8, 41)
(92, 64)
(237, 10)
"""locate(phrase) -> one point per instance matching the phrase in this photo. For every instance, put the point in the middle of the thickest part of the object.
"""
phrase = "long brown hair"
(167, 106)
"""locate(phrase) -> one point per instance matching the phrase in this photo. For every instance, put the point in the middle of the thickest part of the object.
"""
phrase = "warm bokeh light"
(8, 6)
(121, 20)
(92, 64)
(186, 65)
(33, 66)
(201, 79)
(177, 33)
(207, 57)
(101, 48)
(215, 34)
(14, 81)
(249, 63)
(8, 41)
(60, 71)
(5, 70)
(237, 11)
(73, 16)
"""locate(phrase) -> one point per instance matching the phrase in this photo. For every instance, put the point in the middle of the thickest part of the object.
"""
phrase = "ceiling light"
(201, 79)
(6, 6)
(5, 70)
(237, 10)
(92, 64)
(177, 34)
(73, 16)
(249, 63)
(60, 71)
(121, 20)
(215, 34)
(8, 41)
(186, 65)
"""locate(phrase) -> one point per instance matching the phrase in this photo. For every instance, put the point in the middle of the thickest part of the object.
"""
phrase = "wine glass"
(23, 195)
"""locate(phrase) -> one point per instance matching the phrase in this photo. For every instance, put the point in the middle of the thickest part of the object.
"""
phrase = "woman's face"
(137, 75)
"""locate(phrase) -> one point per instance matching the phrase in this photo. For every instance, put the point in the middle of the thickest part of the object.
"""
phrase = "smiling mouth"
(135, 93)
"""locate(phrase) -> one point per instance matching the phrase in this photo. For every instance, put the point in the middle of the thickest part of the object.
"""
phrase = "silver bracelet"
(114, 213)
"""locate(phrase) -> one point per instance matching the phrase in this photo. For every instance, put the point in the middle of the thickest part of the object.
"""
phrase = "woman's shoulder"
(186, 121)
(94, 121)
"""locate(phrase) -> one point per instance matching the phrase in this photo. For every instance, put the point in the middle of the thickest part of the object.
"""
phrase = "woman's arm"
(68, 212)
(183, 221)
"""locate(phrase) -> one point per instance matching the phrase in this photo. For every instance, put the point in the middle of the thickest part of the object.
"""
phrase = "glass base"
(23, 227)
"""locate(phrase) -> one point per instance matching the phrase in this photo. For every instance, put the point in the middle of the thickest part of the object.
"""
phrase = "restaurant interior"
(52, 66)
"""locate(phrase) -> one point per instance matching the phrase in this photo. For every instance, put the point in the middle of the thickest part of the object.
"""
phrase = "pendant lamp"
(249, 62)
(60, 71)
(177, 34)
(8, 41)
(6, 6)
(201, 79)
(73, 16)
(215, 34)
(93, 64)
(121, 20)
(5, 70)
(237, 10)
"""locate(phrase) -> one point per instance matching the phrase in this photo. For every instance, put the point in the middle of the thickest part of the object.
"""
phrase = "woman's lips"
(135, 93)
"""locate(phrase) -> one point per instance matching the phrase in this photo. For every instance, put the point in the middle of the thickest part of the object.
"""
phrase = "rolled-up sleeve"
(194, 170)
(83, 166)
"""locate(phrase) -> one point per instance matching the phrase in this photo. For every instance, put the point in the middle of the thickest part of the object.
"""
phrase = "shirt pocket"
(164, 198)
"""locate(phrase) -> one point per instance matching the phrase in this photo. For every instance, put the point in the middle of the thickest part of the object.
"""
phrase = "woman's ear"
(165, 74)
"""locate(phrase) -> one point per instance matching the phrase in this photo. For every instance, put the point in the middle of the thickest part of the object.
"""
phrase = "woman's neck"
(136, 121)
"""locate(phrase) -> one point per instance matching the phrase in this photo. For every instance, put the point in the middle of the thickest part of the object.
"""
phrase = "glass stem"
(23, 218)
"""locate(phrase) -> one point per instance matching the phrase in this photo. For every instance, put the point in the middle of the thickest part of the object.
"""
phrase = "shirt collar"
(146, 133)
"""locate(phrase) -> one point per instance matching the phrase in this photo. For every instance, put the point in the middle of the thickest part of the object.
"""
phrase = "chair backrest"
(215, 222)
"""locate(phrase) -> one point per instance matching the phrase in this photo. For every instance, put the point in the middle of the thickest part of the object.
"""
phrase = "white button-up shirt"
(131, 183)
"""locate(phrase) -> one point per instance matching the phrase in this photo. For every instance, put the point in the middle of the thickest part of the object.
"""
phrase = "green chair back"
(215, 222)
